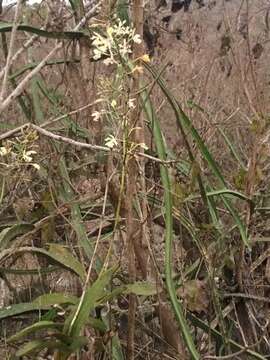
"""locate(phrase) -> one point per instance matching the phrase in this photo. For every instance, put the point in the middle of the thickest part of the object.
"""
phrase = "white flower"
(111, 141)
(97, 54)
(113, 103)
(116, 40)
(143, 146)
(26, 156)
(3, 151)
(110, 31)
(96, 115)
(131, 103)
(36, 166)
(137, 39)
(108, 61)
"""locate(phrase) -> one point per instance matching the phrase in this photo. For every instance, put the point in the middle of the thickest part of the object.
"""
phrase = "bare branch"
(11, 48)
(19, 89)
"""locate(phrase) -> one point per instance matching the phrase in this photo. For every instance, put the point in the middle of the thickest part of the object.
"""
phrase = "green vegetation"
(88, 176)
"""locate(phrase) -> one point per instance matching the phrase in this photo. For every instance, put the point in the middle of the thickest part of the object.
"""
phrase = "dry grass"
(216, 65)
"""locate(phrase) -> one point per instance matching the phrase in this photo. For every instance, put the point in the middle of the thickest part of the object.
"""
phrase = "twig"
(247, 296)
(92, 12)
(13, 132)
(232, 356)
(57, 137)
(19, 89)
(19, 52)
(226, 357)
(11, 48)
(49, 122)
(88, 276)
(68, 140)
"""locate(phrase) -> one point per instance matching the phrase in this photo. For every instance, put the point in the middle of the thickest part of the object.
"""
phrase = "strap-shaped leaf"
(10, 233)
(7, 27)
(41, 325)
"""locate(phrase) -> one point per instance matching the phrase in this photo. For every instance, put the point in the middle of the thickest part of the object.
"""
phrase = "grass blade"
(71, 35)
(159, 142)
(184, 122)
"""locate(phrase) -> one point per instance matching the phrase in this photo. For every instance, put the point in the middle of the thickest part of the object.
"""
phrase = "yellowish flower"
(3, 151)
(137, 68)
(145, 58)
(110, 31)
(110, 141)
(113, 103)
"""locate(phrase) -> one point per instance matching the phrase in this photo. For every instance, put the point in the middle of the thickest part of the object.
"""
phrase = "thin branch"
(19, 89)
(50, 122)
(92, 12)
(232, 356)
(88, 276)
(11, 49)
(57, 137)
(68, 140)
(247, 296)
(19, 52)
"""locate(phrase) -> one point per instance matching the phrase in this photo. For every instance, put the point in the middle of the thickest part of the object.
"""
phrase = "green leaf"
(18, 309)
(36, 346)
(64, 257)
(12, 232)
(122, 11)
(48, 300)
(232, 148)
(197, 322)
(71, 35)
(75, 4)
(22, 272)
(77, 343)
(97, 324)
(141, 288)
(76, 216)
(184, 122)
(41, 325)
(232, 193)
(166, 182)
(32, 65)
(88, 301)
(52, 98)
(37, 107)
(57, 253)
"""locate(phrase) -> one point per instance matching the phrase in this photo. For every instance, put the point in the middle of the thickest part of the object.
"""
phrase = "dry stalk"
(133, 232)
(251, 94)
(19, 89)
(11, 48)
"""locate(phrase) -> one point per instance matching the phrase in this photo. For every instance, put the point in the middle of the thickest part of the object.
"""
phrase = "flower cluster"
(116, 41)
(20, 152)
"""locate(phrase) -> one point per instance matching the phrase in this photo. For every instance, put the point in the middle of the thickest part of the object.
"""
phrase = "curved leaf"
(33, 328)
(141, 288)
(64, 257)
(36, 346)
(57, 253)
(18, 309)
(10, 233)
(184, 122)
(32, 65)
(7, 27)
(47, 300)
(88, 301)
(166, 182)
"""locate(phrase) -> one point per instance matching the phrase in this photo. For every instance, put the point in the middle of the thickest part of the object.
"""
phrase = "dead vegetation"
(134, 189)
